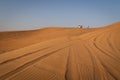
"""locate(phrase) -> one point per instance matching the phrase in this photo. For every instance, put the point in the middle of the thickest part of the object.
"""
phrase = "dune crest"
(61, 54)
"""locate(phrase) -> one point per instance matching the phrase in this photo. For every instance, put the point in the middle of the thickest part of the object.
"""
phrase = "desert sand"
(61, 54)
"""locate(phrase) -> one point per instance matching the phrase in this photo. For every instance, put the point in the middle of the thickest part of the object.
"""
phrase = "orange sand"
(61, 54)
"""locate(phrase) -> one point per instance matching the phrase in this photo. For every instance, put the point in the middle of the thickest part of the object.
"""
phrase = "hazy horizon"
(33, 14)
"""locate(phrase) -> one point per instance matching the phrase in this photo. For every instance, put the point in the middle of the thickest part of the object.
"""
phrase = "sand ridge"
(61, 54)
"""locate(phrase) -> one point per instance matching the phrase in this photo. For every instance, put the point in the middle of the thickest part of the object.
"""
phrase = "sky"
(34, 14)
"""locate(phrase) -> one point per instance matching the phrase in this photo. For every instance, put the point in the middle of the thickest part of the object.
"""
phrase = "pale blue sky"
(32, 14)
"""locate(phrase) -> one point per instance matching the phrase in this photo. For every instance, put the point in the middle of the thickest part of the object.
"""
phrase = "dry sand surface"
(61, 54)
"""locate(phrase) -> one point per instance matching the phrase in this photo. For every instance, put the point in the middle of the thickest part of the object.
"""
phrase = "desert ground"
(61, 54)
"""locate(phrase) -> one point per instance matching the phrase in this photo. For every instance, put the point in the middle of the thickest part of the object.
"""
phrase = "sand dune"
(61, 54)
(13, 40)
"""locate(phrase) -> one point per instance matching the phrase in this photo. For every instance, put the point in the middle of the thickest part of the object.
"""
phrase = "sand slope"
(61, 54)
(17, 39)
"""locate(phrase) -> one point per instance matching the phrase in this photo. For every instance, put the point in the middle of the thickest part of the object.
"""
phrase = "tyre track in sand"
(16, 54)
(28, 64)
(106, 74)
(105, 51)
(111, 55)
(89, 56)
(9, 60)
(27, 54)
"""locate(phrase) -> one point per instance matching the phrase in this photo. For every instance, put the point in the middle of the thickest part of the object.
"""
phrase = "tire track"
(104, 52)
(9, 60)
(112, 48)
(2, 51)
(92, 60)
(103, 66)
(72, 72)
(77, 65)
(7, 51)
(67, 65)
(110, 44)
(106, 69)
(84, 68)
(28, 64)
(70, 66)
(52, 76)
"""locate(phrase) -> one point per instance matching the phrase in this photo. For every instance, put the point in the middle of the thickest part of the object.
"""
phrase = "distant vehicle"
(80, 26)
